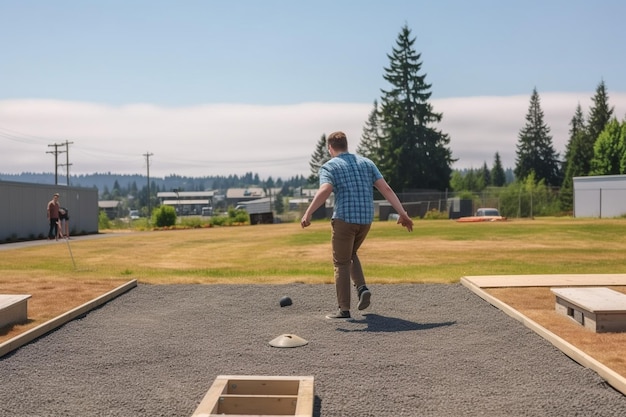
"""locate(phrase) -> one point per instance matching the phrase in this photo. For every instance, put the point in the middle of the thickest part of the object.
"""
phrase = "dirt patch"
(51, 298)
(538, 304)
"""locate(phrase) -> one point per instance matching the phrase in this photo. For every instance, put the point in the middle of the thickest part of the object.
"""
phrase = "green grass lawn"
(436, 251)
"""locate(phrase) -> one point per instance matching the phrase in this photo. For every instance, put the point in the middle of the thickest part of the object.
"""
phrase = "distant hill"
(108, 181)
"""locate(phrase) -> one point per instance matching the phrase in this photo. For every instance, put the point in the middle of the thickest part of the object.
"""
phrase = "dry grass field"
(436, 251)
(538, 305)
(52, 298)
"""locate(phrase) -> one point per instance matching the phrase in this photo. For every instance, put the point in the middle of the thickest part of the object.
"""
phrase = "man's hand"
(405, 221)
(305, 221)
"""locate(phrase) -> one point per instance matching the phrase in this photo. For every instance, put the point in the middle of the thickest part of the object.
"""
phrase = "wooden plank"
(210, 402)
(267, 396)
(262, 405)
(306, 395)
(262, 387)
(552, 280)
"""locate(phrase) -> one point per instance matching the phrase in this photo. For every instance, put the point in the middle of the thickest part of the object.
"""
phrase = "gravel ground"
(419, 350)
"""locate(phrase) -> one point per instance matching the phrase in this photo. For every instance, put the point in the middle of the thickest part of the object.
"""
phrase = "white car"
(487, 212)
(483, 215)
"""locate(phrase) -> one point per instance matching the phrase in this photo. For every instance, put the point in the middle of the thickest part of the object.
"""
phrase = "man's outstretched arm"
(320, 198)
(384, 188)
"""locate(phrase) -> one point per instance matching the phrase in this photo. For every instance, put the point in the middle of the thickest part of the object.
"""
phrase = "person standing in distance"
(53, 216)
(64, 223)
(352, 178)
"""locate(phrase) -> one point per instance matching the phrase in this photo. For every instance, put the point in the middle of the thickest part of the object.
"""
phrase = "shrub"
(238, 216)
(103, 220)
(435, 214)
(164, 216)
(192, 222)
(218, 220)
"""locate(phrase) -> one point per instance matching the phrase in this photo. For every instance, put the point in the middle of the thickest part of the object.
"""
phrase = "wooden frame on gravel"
(245, 395)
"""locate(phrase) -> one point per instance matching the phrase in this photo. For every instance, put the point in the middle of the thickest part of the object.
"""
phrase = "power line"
(67, 160)
(56, 153)
(148, 155)
(67, 164)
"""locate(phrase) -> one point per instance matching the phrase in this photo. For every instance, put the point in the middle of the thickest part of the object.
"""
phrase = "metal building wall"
(23, 209)
(601, 196)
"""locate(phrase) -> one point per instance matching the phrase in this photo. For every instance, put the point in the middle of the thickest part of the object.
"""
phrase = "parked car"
(134, 214)
(485, 214)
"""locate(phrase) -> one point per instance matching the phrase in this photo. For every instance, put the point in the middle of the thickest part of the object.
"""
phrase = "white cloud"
(225, 139)
(481, 126)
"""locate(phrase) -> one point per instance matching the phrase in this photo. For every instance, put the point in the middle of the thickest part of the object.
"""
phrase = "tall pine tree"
(485, 175)
(577, 126)
(369, 146)
(576, 160)
(414, 154)
(319, 158)
(498, 178)
(535, 152)
(579, 151)
(600, 113)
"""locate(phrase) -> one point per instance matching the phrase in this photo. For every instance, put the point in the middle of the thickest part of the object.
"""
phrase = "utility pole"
(148, 155)
(67, 160)
(56, 153)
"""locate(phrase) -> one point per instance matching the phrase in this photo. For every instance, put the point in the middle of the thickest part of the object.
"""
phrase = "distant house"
(187, 202)
(300, 192)
(110, 207)
(235, 196)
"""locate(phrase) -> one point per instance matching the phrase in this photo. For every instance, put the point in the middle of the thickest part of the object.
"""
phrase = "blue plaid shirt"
(352, 178)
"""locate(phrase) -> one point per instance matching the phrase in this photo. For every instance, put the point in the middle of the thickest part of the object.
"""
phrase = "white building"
(187, 202)
(601, 196)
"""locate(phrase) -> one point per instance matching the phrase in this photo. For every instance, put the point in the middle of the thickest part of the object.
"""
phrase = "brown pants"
(346, 241)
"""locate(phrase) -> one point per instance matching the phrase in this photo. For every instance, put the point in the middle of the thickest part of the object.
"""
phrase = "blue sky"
(240, 86)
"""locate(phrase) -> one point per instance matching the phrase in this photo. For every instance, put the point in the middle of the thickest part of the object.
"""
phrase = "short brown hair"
(338, 141)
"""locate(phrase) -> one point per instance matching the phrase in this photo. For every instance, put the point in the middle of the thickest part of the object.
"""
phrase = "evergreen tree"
(580, 148)
(576, 161)
(608, 151)
(369, 146)
(106, 194)
(319, 158)
(473, 181)
(116, 190)
(279, 203)
(485, 175)
(599, 114)
(577, 126)
(622, 164)
(457, 182)
(498, 178)
(413, 153)
(535, 152)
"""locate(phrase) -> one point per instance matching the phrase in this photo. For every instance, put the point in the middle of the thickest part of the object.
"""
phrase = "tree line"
(401, 136)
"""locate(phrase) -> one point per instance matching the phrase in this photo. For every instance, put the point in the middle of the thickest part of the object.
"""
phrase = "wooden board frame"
(268, 396)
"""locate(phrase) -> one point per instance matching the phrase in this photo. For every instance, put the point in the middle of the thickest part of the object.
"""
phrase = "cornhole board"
(598, 309)
(269, 396)
(13, 309)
